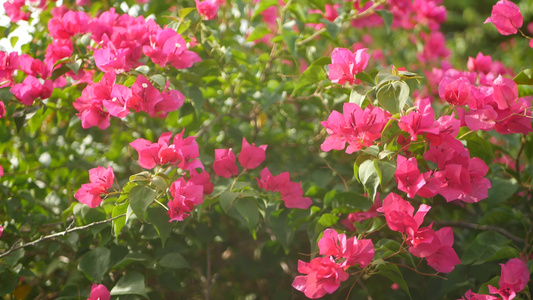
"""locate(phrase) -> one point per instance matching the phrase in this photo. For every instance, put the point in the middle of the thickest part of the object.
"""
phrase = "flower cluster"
(183, 152)
(188, 193)
(345, 65)
(101, 181)
(514, 278)
(356, 126)
(250, 157)
(324, 274)
(291, 192)
(424, 242)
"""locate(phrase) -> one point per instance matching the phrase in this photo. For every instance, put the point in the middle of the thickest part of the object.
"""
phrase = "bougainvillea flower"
(324, 276)
(1, 230)
(456, 92)
(32, 88)
(505, 92)
(399, 213)
(224, 164)
(469, 295)
(71, 23)
(99, 292)
(350, 250)
(251, 156)
(506, 17)
(481, 119)
(186, 194)
(101, 181)
(272, 183)
(357, 217)
(357, 127)
(203, 179)
(451, 182)
(292, 196)
(408, 177)
(513, 279)
(444, 259)
(482, 63)
(2, 109)
(207, 9)
(420, 120)
(14, 10)
(346, 64)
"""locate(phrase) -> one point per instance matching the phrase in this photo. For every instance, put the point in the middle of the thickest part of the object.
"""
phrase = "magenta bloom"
(2, 109)
(324, 276)
(207, 9)
(481, 63)
(357, 127)
(506, 17)
(408, 177)
(456, 92)
(101, 181)
(70, 24)
(345, 65)
(224, 164)
(168, 46)
(1, 230)
(513, 279)
(351, 251)
(291, 192)
(31, 88)
(444, 259)
(186, 195)
(469, 295)
(399, 213)
(420, 120)
(99, 292)
(505, 92)
(251, 156)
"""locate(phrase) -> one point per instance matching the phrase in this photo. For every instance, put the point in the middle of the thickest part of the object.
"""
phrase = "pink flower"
(99, 292)
(186, 195)
(505, 92)
(168, 46)
(324, 276)
(469, 295)
(291, 192)
(444, 259)
(1, 230)
(14, 10)
(224, 164)
(101, 181)
(506, 17)
(351, 250)
(32, 88)
(357, 217)
(408, 177)
(399, 213)
(2, 109)
(207, 9)
(455, 92)
(481, 63)
(357, 127)
(251, 156)
(70, 24)
(345, 65)
(420, 120)
(513, 279)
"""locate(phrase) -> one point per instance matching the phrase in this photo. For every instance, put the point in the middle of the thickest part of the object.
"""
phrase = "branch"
(47, 237)
(481, 227)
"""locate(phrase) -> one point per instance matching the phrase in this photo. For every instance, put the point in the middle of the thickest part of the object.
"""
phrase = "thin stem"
(517, 161)
(62, 233)
(163, 205)
(338, 174)
(480, 227)
(421, 273)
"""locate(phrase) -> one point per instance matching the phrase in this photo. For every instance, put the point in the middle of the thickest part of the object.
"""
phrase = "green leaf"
(393, 96)
(369, 177)
(393, 273)
(525, 90)
(130, 284)
(386, 171)
(386, 16)
(262, 6)
(226, 200)
(143, 69)
(249, 211)
(95, 263)
(160, 80)
(484, 247)
(173, 261)
(119, 223)
(525, 77)
(501, 189)
(314, 73)
(141, 196)
(479, 147)
(290, 40)
(332, 28)
(358, 94)
(157, 216)
(182, 13)
(328, 220)
(160, 181)
(259, 32)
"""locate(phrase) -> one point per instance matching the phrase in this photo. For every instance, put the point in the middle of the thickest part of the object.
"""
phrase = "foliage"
(235, 149)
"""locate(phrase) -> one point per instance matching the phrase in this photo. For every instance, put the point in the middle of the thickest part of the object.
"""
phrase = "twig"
(480, 227)
(421, 273)
(517, 161)
(338, 174)
(62, 233)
